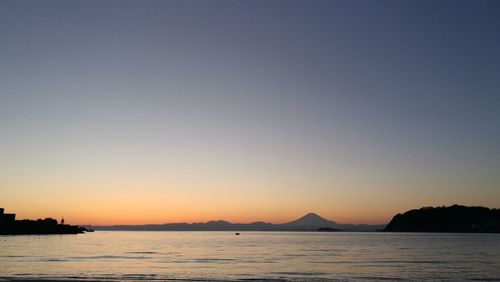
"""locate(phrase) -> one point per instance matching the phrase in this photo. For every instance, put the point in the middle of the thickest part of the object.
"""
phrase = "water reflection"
(260, 255)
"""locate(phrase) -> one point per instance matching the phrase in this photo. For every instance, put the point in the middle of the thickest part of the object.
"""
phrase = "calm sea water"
(118, 255)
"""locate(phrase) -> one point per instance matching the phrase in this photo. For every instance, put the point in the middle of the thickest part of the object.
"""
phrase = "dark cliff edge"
(10, 226)
(456, 218)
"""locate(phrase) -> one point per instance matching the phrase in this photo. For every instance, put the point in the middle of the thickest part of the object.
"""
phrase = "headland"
(10, 226)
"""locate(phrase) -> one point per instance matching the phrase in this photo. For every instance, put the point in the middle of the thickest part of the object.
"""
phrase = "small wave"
(371, 262)
(109, 257)
(201, 260)
(142, 253)
(294, 255)
(378, 278)
(136, 275)
(324, 250)
(407, 261)
(261, 279)
(292, 273)
(255, 261)
(212, 259)
(53, 259)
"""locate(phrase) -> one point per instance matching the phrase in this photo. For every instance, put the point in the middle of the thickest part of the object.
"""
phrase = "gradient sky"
(130, 112)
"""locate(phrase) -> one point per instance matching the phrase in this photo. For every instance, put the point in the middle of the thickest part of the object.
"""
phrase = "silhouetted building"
(6, 217)
(10, 226)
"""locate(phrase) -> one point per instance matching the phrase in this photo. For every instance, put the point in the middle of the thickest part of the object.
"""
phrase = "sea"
(275, 256)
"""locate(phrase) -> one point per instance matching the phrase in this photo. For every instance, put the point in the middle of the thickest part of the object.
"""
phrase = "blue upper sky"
(332, 105)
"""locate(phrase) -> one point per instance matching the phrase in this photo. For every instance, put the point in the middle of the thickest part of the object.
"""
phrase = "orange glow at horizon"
(197, 191)
(123, 203)
(138, 215)
(131, 218)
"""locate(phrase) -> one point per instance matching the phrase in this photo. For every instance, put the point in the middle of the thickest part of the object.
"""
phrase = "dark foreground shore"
(10, 226)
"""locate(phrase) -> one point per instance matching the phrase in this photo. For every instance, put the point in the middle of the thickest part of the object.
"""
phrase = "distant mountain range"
(309, 222)
(455, 218)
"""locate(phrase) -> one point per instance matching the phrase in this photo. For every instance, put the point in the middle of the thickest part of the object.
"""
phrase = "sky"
(133, 112)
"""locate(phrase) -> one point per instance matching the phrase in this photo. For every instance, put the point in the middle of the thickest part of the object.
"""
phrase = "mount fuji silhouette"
(309, 222)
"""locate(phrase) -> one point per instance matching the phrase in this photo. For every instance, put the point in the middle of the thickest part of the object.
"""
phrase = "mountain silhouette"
(309, 222)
